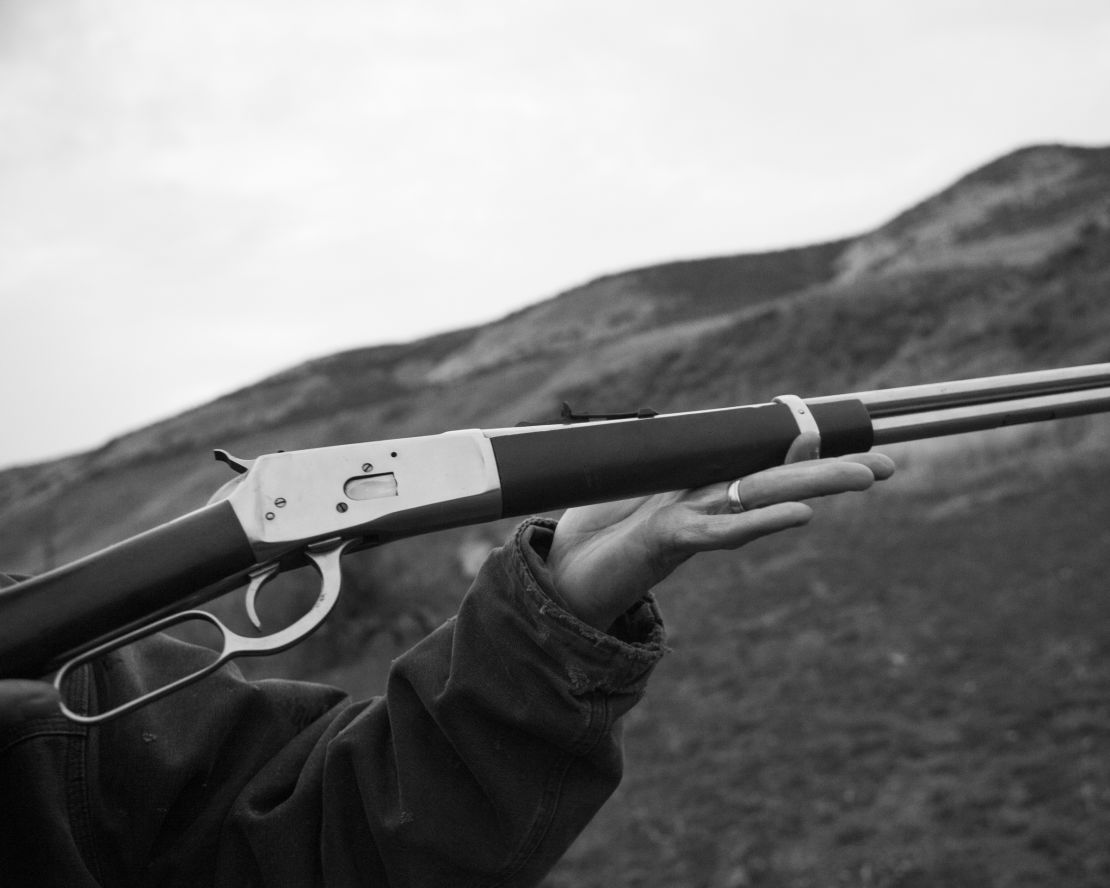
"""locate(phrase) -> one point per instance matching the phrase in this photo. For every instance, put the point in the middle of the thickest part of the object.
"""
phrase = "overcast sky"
(197, 193)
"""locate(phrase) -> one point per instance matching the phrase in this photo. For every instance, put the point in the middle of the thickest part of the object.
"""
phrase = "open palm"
(606, 557)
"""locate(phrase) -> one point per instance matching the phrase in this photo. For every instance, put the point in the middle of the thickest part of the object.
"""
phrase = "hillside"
(914, 692)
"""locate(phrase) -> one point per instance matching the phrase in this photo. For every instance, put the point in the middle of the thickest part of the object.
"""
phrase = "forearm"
(500, 741)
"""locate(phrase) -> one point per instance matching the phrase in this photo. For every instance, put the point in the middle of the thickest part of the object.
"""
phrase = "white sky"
(197, 193)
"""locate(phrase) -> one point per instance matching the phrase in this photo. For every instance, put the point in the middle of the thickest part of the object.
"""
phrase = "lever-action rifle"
(317, 504)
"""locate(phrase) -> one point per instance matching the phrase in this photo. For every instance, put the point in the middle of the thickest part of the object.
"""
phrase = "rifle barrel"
(984, 390)
(972, 405)
(980, 417)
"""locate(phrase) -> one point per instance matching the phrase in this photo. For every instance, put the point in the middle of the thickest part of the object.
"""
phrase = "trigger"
(259, 577)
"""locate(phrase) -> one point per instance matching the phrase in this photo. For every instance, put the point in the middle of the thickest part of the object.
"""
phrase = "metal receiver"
(368, 492)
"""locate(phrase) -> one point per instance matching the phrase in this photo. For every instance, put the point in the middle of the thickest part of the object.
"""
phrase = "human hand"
(605, 557)
(22, 700)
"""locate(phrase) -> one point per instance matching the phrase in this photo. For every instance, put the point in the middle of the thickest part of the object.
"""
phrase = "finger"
(881, 465)
(808, 480)
(733, 531)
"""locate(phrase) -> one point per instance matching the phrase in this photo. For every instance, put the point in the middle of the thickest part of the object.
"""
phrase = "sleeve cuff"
(618, 660)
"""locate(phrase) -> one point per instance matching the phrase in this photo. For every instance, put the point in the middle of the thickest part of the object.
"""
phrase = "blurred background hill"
(915, 691)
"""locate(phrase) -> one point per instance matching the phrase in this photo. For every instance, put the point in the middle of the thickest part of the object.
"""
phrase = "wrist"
(536, 546)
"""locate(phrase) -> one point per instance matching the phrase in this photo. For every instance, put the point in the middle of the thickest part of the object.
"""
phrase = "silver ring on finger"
(735, 504)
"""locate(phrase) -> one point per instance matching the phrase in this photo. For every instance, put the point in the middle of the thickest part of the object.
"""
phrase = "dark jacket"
(494, 745)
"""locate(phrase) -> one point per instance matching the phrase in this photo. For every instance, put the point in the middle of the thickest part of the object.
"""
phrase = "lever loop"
(324, 556)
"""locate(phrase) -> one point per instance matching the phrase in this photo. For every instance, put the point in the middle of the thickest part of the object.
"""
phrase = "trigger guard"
(324, 555)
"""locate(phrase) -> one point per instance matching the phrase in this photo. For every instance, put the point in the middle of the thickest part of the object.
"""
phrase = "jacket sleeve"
(495, 743)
